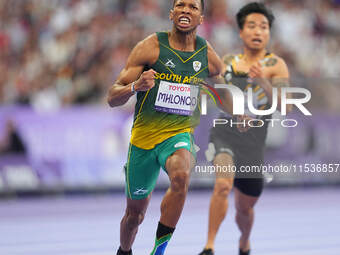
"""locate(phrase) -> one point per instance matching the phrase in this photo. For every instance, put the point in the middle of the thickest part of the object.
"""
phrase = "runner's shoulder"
(145, 50)
(277, 66)
(228, 58)
(275, 61)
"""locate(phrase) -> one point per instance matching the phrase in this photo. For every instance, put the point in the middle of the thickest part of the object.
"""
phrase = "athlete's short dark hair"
(254, 7)
(202, 4)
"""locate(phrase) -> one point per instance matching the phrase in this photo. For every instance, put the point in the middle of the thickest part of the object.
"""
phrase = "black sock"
(244, 253)
(163, 230)
(121, 252)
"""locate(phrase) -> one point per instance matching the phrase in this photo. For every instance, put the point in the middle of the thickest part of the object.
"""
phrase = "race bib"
(174, 98)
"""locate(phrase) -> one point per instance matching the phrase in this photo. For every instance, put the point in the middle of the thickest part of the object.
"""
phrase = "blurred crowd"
(61, 52)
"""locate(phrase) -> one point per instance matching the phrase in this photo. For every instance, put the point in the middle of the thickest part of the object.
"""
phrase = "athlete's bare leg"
(134, 215)
(219, 199)
(178, 166)
(244, 217)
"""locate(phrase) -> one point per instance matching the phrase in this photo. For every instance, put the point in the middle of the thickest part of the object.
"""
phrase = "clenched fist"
(257, 76)
(146, 81)
(255, 71)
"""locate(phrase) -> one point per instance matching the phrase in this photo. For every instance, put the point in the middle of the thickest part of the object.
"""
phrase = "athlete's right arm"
(144, 54)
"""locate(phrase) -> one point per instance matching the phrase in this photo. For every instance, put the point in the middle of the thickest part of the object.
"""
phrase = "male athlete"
(240, 145)
(163, 70)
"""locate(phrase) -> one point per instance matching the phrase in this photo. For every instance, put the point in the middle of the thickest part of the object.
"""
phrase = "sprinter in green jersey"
(164, 70)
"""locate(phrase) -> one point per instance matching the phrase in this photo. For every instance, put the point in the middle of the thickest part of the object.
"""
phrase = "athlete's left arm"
(215, 63)
(281, 79)
(216, 70)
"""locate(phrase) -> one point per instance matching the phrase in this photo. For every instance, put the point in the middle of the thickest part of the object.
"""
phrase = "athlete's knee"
(244, 210)
(134, 217)
(223, 187)
(179, 173)
(178, 163)
(180, 181)
(223, 159)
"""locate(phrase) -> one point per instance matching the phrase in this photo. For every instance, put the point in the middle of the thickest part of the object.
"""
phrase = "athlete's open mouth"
(256, 40)
(183, 20)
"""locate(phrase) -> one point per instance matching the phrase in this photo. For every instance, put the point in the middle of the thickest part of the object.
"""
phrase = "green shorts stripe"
(127, 172)
(143, 166)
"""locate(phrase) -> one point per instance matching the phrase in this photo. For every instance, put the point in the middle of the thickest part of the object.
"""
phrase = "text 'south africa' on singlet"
(254, 136)
(172, 106)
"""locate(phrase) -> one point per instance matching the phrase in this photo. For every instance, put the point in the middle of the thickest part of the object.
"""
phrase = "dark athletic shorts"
(247, 160)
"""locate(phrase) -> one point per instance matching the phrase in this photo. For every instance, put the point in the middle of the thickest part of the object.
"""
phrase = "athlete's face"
(187, 15)
(255, 32)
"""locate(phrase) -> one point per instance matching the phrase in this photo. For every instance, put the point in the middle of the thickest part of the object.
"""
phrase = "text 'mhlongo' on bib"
(175, 98)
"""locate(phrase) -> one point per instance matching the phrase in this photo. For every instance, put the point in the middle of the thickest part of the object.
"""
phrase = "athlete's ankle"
(242, 252)
(209, 246)
(163, 230)
(207, 251)
(244, 246)
(122, 252)
(163, 236)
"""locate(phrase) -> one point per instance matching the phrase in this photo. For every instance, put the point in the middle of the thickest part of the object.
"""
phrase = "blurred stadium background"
(59, 57)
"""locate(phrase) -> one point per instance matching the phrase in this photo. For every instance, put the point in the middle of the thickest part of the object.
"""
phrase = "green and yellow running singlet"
(172, 106)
